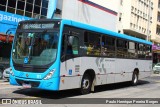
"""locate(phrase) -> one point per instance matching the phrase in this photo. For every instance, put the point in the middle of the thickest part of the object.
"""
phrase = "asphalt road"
(147, 88)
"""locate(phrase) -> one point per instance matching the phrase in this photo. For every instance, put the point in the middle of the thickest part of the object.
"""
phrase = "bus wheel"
(1, 74)
(135, 79)
(86, 84)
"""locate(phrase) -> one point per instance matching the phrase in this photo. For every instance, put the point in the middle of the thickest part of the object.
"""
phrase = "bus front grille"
(34, 84)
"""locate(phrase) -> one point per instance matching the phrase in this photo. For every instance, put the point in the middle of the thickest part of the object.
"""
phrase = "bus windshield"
(35, 48)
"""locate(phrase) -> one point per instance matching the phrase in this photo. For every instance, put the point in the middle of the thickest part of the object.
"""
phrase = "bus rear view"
(34, 58)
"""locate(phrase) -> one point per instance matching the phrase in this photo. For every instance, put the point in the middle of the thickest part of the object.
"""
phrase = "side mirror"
(70, 40)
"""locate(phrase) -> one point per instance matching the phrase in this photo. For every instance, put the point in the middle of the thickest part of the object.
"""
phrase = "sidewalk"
(4, 82)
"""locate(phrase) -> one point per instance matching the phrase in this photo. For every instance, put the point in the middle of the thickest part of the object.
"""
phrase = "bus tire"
(135, 79)
(1, 74)
(86, 84)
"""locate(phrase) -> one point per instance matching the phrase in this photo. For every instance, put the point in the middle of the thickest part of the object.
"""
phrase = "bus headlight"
(49, 75)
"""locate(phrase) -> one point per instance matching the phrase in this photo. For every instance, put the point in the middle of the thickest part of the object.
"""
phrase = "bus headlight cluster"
(49, 75)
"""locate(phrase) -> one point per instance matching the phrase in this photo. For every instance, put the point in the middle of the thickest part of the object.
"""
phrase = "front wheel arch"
(88, 77)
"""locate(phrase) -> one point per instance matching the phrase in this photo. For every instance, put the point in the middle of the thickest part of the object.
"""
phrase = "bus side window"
(72, 46)
(92, 43)
(148, 52)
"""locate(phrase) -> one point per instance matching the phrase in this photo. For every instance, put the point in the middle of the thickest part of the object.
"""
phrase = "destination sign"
(39, 25)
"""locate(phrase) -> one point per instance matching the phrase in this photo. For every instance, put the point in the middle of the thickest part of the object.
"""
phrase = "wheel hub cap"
(85, 84)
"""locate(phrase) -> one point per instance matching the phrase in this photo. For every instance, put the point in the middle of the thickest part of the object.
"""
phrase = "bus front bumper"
(51, 84)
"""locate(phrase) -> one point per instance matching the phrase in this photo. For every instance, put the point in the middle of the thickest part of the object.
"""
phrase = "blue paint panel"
(10, 21)
(46, 85)
(10, 18)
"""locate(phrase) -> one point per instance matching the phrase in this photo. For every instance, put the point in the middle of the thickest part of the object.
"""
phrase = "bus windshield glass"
(35, 47)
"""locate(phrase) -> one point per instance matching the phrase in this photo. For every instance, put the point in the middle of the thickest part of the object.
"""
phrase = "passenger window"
(132, 53)
(92, 43)
(72, 45)
(108, 46)
(148, 52)
(141, 51)
(122, 48)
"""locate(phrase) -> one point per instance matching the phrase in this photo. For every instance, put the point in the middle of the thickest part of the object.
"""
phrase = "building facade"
(156, 31)
(156, 22)
(99, 13)
(28, 8)
(135, 18)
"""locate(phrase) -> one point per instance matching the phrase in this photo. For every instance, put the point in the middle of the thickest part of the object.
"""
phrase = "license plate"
(26, 85)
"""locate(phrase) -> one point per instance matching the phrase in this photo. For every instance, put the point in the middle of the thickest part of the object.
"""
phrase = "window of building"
(29, 7)
(131, 25)
(30, 1)
(37, 9)
(3, 2)
(20, 12)
(132, 9)
(20, 5)
(45, 3)
(11, 10)
(28, 14)
(38, 2)
(121, 2)
(120, 16)
(12, 3)
(44, 11)
(2, 8)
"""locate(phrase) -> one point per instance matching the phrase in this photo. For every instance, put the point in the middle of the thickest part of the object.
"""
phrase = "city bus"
(60, 54)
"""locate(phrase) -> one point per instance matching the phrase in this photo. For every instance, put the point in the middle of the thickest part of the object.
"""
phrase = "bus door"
(70, 51)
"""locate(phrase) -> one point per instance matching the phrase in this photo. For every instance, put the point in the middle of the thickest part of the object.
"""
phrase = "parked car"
(6, 73)
(156, 68)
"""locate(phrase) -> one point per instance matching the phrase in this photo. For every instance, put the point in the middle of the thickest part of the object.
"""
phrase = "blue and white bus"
(58, 54)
